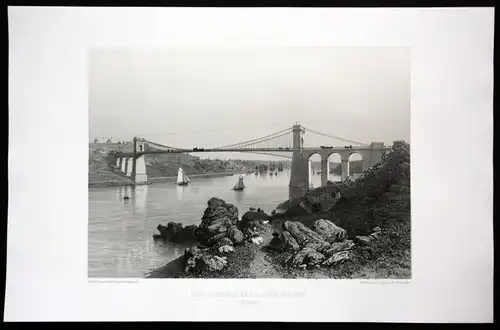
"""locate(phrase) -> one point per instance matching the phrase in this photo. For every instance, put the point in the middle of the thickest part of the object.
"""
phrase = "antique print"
(249, 163)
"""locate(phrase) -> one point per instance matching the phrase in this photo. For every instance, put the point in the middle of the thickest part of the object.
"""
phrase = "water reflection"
(139, 198)
(180, 192)
(125, 191)
(238, 196)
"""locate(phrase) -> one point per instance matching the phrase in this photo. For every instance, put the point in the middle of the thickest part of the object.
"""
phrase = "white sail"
(180, 176)
(186, 179)
(239, 184)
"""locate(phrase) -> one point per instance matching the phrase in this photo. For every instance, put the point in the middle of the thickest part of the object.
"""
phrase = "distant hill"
(157, 166)
(99, 169)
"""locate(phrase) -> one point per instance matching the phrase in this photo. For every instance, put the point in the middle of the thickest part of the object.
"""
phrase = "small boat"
(182, 178)
(239, 185)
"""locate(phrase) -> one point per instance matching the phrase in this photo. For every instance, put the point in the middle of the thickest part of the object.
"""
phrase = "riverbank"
(160, 180)
(194, 176)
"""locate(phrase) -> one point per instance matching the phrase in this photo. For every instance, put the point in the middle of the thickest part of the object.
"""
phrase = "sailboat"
(239, 185)
(182, 178)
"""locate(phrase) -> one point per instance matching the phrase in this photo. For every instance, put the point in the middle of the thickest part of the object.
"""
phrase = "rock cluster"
(303, 247)
(217, 233)
(324, 246)
(175, 232)
(219, 220)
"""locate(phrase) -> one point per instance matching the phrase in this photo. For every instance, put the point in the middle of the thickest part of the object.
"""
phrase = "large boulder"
(329, 231)
(217, 219)
(305, 236)
(175, 232)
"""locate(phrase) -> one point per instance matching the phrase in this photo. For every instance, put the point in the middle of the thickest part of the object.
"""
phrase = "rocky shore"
(353, 229)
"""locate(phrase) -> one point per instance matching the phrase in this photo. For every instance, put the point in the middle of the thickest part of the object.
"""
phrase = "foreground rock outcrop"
(219, 220)
(325, 246)
(303, 247)
(329, 231)
(219, 234)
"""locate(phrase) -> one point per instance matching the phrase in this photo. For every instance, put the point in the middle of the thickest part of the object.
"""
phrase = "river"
(120, 241)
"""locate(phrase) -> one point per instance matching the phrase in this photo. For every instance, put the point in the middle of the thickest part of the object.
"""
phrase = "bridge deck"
(180, 151)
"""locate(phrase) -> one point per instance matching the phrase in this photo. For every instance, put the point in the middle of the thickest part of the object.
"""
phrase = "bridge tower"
(298, 179)
(139, 174)
(134, 160)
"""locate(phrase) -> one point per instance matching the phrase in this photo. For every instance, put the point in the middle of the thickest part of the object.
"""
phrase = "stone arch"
(355, 163)
(313, 169)
(334, 161)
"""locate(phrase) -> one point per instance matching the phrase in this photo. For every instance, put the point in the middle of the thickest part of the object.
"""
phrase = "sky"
(212, 97)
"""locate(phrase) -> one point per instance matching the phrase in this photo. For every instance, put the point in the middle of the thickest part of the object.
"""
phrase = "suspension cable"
(262, 141)
(335, 137)
(160, 145)
(288, 130)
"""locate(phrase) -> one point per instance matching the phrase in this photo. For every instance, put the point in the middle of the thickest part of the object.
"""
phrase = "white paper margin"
(451, 136)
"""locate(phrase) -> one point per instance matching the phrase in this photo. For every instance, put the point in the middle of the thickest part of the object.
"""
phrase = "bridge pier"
(141, 176)
(130, 164)
(299, 176)
(124, 165)
(138, 172)
(324, 171)
(344, 169)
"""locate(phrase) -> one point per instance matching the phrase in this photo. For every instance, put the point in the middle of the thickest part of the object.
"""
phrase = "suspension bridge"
(282, 143)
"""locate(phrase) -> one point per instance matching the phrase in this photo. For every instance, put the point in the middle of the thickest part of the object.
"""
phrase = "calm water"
(121, 232)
